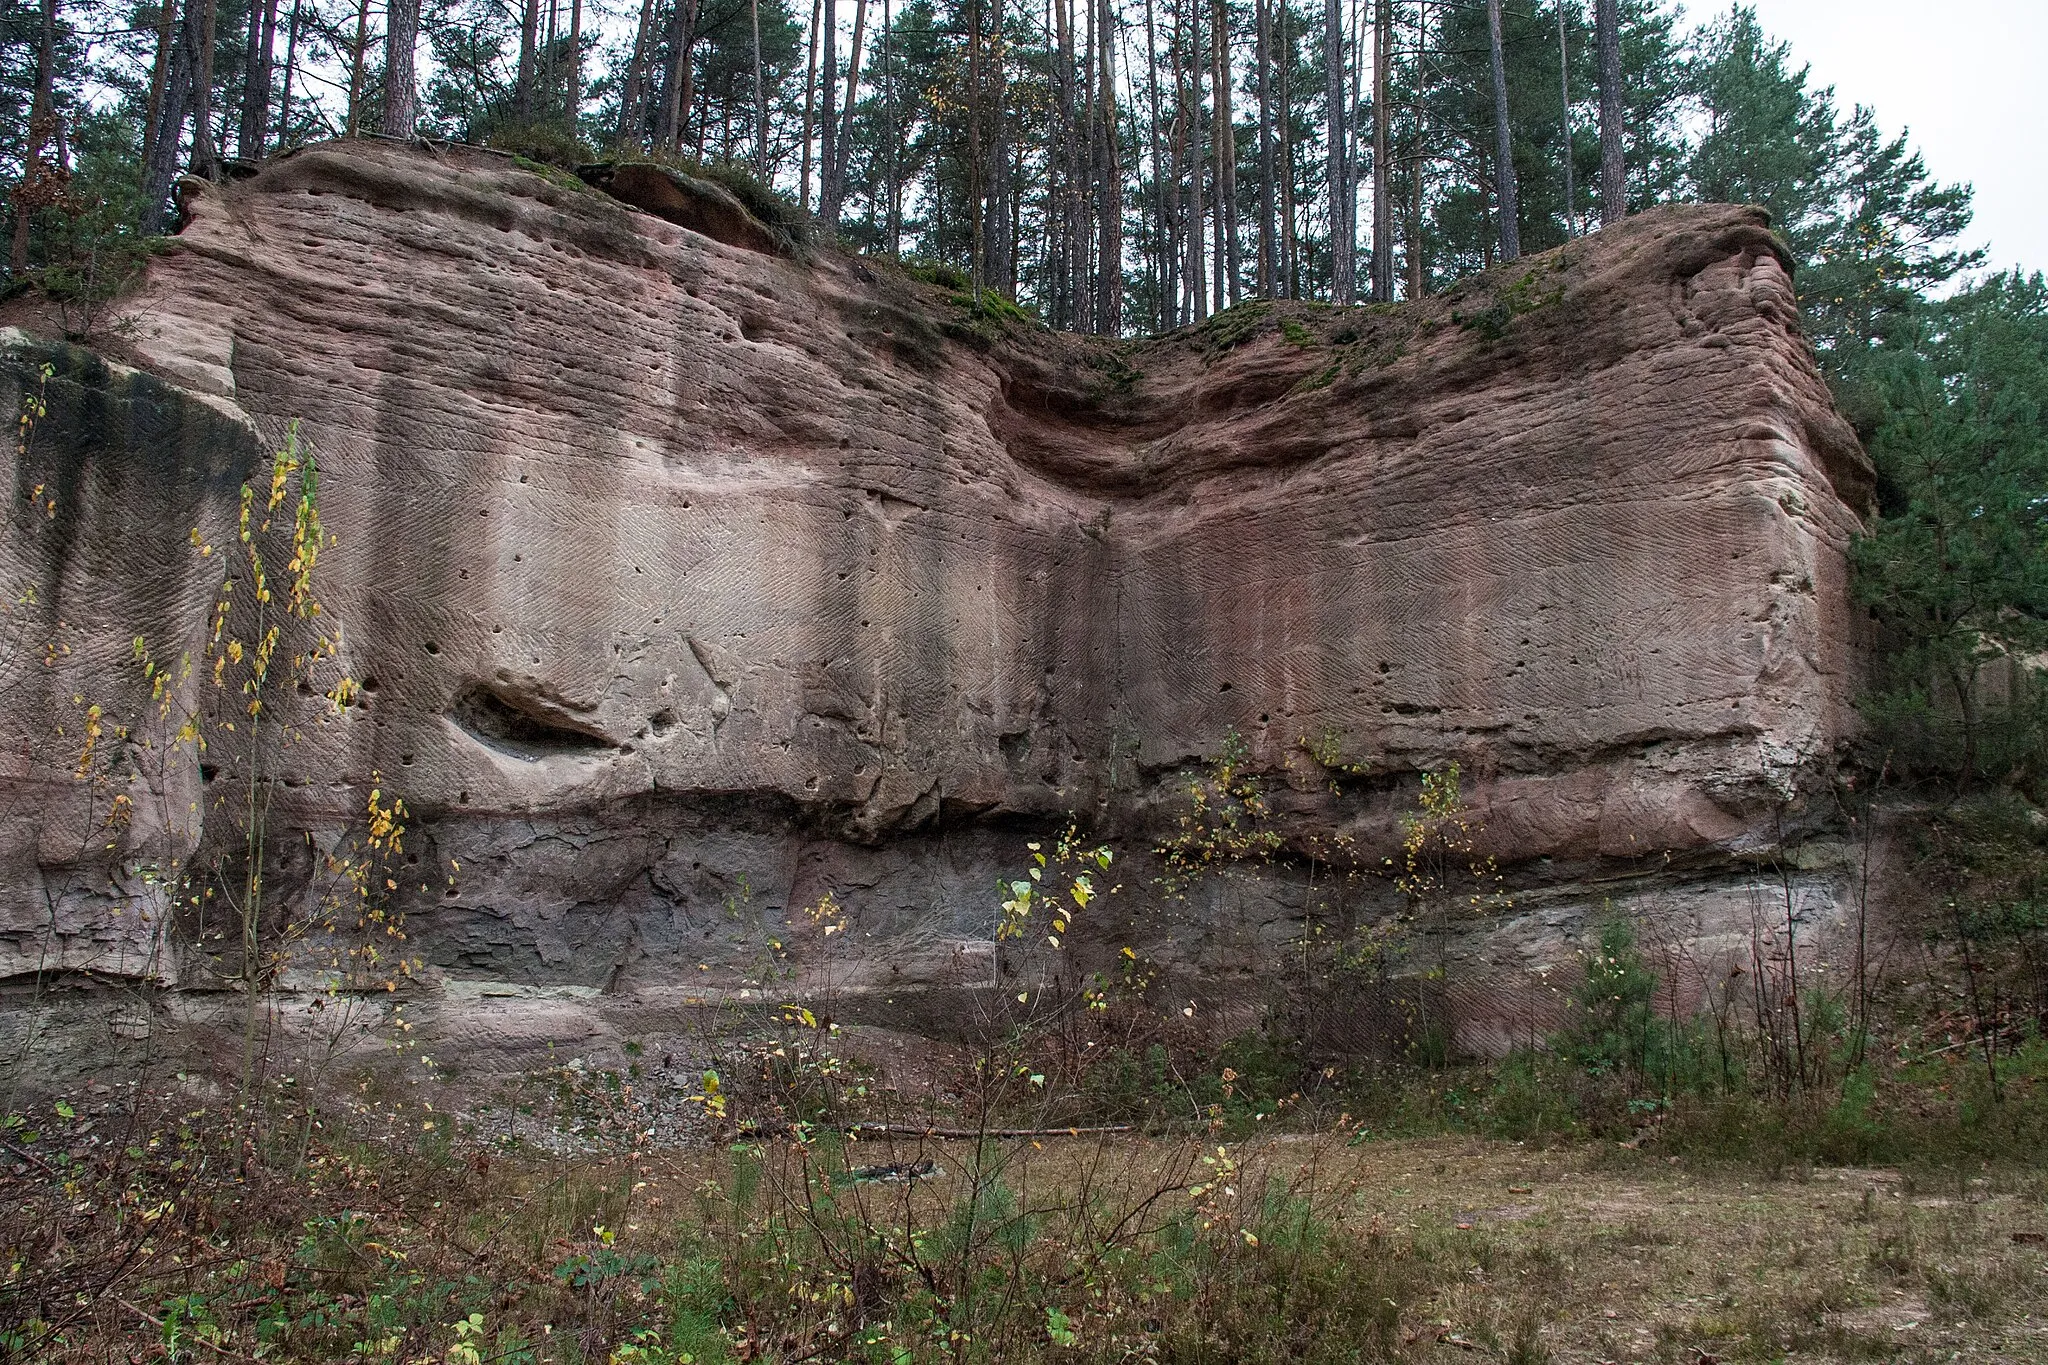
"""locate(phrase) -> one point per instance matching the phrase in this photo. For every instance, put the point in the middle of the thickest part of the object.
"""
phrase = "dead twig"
(922, 1131)
(31, 1158)
(158, 1323)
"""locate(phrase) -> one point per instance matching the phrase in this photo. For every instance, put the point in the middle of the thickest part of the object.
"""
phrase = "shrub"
(543, 141)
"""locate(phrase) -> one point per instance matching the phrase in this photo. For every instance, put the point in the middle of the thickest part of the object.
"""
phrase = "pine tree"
(1885, 238)
(401, 39)
(1872, 231)
(1223, 138)
(35, 190)
(252, 143)
(1337, 182)
(1508, 204)
(1382, 125)
(1564, 97)
(1613, 167)
(1768, 139)
(1955, 564)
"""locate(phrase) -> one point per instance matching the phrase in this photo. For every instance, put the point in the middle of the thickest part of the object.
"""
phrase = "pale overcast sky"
(1964, 76)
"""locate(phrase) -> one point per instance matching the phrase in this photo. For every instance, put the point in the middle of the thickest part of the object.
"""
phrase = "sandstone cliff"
(688, 578)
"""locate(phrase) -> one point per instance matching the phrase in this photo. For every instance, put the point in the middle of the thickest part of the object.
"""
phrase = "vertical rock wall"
(687, 580)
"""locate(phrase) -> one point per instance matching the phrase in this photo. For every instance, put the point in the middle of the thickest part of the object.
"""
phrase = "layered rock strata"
(689, 577)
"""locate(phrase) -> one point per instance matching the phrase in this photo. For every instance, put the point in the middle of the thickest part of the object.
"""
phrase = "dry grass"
(1632, 1257)
(1594, 1254)
(1299, 1245)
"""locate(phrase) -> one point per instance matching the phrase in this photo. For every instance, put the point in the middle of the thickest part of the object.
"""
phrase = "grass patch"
(937, 272)
(1313, 1245)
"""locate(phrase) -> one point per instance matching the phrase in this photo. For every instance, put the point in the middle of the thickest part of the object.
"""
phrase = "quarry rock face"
(688, 579)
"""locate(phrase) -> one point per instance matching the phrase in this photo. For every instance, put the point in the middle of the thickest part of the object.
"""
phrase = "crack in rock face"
(698, 578)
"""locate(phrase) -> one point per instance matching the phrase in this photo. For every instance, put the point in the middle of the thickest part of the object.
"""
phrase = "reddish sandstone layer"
(675, 560)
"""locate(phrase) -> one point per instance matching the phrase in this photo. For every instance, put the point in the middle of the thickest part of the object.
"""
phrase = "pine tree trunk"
(1382, 116)
(355, 65)
(1016, 180)
(1226, 157)
(1217, 255)
(401, 40)
(803, 199)
(1215, 285)
(703, 114)
(632, 120)
(1179, 250)
(1086, 172)
(834, 192)
(1339, 177)
(761, 91)
(895, 172)
(1198, 270)
(573, 100)
(1074, 230)
(1505, 196)
(1290, 245)
(523, 80)
(1059, 170)
(1263, 59)
(253, 140)
(1179, 310)
(32, 193)
(1187, 214)
(1110, 213)
(1564, 97)
(291, 63)
(1418, 265)
(159, 74)
(161, 169)
(205, 153)
(999, 210)
(828, 100)
(1161, 254)
(1965, 687)
(681, 78)
(1613, 178)
(546, 65)
(1415, 248)
(1354, 143)
(977, 263)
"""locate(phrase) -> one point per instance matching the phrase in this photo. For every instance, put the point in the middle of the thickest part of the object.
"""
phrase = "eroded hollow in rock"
(513, 723)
